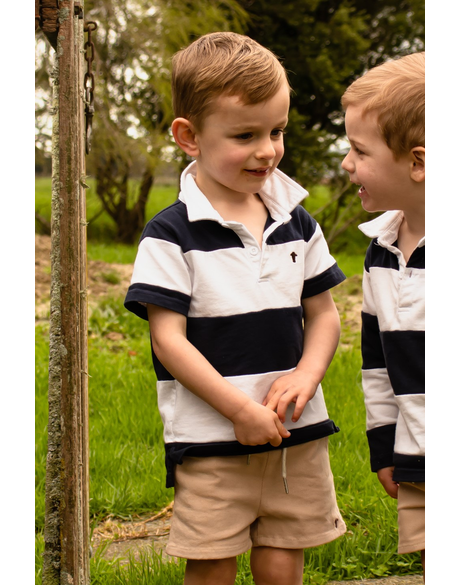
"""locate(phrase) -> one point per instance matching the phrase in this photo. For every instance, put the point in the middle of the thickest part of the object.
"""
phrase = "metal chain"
(88, 83)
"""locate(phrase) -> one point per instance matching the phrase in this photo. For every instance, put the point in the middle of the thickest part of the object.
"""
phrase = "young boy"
(385, 124)
(227, 276)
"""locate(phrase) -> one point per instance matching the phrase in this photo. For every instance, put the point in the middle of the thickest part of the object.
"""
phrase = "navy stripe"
(155, 295)
(252, 343)
(371, 346)
(175, 452)
(377, 256)
(172, 225)
(409, 467)
(381, 445)
(301, 227)
(405, 357)
(323, 282)
(417, 260)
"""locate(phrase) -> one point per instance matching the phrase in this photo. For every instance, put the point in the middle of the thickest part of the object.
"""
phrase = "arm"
(253, 423)
(321, 337)
(381, 407)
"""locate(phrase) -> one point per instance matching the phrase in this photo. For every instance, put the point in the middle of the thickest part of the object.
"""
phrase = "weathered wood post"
(66, 556)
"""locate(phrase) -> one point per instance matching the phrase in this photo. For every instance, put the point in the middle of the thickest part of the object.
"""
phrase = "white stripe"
(234, 281)
(161, 263)
(316, 255)
(187, 418)
(410, 430)
(401, 307)
(379, 398)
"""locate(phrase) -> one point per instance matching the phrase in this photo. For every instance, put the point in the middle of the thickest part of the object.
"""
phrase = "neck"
(415, 220)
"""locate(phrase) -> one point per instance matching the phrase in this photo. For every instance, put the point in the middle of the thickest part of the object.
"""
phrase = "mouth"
(260, 172)
(361, 191)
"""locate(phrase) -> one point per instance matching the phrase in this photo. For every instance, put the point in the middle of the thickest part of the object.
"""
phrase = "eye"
(358, 151)
(278, 132)
(245, 136)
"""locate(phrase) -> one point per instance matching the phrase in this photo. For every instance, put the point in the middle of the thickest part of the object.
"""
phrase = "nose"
(347, 164)
(266, 149)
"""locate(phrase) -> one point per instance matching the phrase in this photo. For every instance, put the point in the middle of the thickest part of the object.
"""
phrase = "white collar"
(280, 195)
(386, 228)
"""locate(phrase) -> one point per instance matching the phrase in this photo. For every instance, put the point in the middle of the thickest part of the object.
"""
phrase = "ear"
(417, 161)
(185, 136)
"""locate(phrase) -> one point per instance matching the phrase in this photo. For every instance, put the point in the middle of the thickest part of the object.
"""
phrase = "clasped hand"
(258, 424)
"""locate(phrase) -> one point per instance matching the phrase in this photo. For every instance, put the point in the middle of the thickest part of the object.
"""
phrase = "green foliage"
(324, 45)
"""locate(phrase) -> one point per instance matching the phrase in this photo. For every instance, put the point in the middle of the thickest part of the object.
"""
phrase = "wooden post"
(66, 556)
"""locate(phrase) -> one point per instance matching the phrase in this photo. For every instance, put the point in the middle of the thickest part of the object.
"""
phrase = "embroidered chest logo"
(293, 256)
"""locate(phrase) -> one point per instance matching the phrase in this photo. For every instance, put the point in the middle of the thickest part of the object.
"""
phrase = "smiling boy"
(385, 124)
(235, 281)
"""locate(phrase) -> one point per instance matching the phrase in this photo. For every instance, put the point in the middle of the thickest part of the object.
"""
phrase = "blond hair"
(394, 90)
(222, 63)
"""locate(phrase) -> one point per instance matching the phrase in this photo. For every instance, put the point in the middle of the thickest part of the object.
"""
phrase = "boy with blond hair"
(385, 124)
(235, 280)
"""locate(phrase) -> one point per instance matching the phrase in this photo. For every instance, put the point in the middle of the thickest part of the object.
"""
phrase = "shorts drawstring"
(283, 468)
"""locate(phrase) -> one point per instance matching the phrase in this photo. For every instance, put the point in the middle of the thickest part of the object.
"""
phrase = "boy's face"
(239, 146)
(385, 183)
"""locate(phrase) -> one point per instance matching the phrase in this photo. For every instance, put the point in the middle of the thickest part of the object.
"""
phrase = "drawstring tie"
(283, 468)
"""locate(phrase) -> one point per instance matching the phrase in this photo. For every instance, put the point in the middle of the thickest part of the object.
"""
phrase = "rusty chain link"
(88, 84)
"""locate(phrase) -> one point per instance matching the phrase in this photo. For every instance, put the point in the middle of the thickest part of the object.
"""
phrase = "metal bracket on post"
(90, 27)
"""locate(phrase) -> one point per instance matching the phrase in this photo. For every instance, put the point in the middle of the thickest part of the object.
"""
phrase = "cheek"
(279, 149)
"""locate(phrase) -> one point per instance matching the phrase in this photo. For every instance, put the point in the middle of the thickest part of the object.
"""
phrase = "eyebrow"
(355, 142)
(239, 126)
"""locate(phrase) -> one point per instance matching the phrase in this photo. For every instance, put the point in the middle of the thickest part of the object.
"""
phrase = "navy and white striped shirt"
(393, 349)
(242, 303)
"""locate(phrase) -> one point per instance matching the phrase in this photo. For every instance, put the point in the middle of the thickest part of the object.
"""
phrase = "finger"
(271, 404)
(299, 406)
(282, 406)
(282, 429)
(281, 433)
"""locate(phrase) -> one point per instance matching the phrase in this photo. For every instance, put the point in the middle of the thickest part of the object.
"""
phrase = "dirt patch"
(121, 539)
(103, 279)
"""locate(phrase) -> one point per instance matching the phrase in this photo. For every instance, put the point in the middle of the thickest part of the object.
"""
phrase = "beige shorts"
(224, 506)
(411, 517)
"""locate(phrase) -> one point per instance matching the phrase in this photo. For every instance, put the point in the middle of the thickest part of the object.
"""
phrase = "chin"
(367, 206)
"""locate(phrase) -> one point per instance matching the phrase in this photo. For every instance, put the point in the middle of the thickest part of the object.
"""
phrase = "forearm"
(321, 338)
(192, 369)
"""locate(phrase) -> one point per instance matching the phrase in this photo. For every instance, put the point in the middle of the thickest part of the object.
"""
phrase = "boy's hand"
(294, 387)
(385, 476)
(255, 424)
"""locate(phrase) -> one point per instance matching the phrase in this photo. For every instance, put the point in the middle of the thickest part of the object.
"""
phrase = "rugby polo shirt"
(393, 350)
(242, 303)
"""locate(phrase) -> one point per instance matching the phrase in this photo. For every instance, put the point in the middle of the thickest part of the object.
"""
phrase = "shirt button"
(253, 251)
